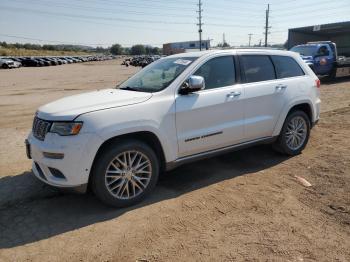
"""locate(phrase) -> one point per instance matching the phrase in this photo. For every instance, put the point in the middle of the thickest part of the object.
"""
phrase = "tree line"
(115, 49)
(30, 46)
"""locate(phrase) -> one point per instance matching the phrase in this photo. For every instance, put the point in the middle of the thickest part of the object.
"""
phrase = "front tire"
(294, 134)
(125, 173)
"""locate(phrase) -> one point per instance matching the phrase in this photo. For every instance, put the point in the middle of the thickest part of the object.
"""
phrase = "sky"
(154, 22)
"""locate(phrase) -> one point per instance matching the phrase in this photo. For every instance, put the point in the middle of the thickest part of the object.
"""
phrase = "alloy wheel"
(128, 174)
(296, 132)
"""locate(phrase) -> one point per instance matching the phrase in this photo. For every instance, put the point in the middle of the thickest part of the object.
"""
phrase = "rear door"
(270, 82)
(263, 95)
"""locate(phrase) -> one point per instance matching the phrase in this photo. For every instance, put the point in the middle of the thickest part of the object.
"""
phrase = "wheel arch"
(146, 137)
(305, 106)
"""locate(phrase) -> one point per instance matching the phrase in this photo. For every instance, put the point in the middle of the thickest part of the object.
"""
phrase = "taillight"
(318, 83)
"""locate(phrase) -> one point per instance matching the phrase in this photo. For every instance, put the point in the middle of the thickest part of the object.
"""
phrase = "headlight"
(66, 128)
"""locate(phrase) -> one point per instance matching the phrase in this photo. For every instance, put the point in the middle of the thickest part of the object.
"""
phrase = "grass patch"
(28, 52)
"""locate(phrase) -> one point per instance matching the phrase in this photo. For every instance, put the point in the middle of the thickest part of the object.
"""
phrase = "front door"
(324, 60)
(211, 118)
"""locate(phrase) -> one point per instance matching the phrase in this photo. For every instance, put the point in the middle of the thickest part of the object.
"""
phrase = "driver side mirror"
(193, 84)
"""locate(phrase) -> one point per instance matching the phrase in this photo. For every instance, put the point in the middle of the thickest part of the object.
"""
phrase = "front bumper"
(73, 169)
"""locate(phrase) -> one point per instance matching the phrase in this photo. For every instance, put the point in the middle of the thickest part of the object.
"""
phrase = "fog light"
(41, 173)
(53, 155)
(56, 173)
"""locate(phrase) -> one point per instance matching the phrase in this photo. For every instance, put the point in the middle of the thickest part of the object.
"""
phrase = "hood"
(68, 108)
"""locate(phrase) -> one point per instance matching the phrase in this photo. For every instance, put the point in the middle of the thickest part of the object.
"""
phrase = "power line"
(315, 12)
(118, 26)
(50, 41)
(123, 12)
(65, 42)
(146, 4)
(232, 25)
(95, 17)
(282, 10)
(101, 10)
(127, 4)
(89, 17)
(159, 6)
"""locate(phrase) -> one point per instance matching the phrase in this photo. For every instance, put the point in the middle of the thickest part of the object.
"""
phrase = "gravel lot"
(243, 206)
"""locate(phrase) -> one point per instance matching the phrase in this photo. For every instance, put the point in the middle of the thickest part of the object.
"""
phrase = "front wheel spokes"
(119, 185)
(128, 174)
(136, 185)
(113, 179)
(141, 164)
(140, 179)
(122, 162)
(121, 188)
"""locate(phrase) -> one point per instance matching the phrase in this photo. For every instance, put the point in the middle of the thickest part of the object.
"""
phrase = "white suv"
(178, 109)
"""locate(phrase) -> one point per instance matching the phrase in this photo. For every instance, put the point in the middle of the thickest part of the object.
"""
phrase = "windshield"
(158, 75)
(305, 50)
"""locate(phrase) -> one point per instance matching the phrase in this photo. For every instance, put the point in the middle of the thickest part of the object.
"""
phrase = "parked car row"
(9, 63)
(15, 62)
(142, 61)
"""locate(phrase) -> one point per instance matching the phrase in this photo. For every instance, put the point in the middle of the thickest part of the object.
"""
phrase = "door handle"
(234, 94)
(281, 87)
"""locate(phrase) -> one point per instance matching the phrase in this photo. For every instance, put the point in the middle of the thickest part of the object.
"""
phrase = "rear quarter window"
(286, 67)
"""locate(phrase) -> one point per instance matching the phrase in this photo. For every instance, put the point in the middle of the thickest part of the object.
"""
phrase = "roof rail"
(320, 42)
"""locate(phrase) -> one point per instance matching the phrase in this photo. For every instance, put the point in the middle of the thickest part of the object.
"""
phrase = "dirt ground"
(242, 206)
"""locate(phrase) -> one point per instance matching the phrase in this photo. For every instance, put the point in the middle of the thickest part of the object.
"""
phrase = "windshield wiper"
(130, 88)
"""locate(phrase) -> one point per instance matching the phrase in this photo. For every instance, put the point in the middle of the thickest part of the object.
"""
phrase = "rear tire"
(125, 173)
(294, 134)
(5, 66)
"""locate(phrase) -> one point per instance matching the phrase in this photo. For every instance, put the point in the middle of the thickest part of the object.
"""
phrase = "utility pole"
(200, 10)
(223, 40)
(267, 23)
(250, 38)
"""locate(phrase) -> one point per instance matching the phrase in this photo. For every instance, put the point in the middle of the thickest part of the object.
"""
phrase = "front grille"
(40, 128)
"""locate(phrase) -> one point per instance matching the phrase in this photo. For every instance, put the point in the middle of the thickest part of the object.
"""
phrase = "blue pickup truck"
(323, 58)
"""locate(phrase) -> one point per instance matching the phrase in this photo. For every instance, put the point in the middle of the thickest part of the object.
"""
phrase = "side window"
(286, 67)
(323, 51)
(218, 72)
(257, 68)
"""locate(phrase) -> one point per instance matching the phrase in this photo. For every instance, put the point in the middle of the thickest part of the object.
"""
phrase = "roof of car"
(234, 51)
(310, 44)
